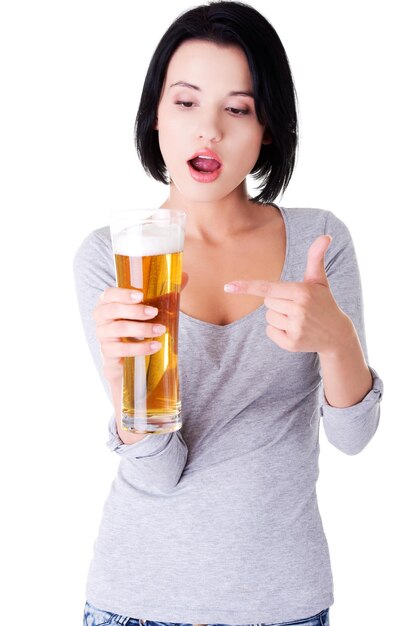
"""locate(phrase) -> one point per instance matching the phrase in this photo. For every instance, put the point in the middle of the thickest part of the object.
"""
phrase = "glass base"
(151, 424)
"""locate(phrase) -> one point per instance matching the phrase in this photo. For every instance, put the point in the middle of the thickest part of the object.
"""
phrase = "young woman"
(218, 522)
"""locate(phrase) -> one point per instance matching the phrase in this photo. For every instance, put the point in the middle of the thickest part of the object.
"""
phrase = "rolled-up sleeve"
(159, 459)
(351, 428)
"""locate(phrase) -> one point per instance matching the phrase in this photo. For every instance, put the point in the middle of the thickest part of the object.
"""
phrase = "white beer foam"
(148, 240)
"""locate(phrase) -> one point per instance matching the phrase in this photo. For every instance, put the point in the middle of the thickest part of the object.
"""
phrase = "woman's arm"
(345, 374)
(351, 390)
(159, 459)
(323, 313)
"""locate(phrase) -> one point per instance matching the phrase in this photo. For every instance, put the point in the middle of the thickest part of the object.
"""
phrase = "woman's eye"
(188, 105)
(184, 105)
(238, 111)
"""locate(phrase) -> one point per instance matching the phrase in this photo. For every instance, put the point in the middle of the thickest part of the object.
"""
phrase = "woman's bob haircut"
(230, 24)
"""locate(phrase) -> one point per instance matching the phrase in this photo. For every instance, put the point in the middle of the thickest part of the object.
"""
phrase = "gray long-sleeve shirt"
(218, 522)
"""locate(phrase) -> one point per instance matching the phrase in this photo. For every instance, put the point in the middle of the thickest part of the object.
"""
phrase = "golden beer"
(150, 394)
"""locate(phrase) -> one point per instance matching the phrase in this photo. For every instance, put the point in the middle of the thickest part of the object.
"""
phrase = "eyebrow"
(182, 83)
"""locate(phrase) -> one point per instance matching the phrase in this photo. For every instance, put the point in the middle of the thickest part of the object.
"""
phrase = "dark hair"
(230, 23)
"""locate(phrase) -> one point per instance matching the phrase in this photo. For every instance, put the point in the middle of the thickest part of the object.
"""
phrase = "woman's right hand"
(119, 315)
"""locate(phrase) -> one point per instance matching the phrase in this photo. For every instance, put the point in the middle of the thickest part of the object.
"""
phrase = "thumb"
(315, 266)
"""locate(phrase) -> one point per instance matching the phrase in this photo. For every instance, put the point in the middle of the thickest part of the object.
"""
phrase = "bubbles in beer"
(150, 387)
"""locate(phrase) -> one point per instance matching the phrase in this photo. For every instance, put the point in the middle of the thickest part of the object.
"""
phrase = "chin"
(204, 192)
(206, 197)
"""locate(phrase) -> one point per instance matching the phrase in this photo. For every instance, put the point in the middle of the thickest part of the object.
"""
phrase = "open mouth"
(204, 164)
(204, 168)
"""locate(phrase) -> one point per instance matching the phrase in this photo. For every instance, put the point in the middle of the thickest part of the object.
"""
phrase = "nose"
(209, 128)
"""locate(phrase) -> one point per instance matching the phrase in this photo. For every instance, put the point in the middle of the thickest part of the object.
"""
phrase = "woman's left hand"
(302, 316)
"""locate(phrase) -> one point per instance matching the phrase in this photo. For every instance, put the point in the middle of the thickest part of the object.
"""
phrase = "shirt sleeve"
(159, 458)
(349, 428)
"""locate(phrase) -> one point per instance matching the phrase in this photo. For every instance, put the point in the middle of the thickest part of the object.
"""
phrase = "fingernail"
(136, 296)
(158, 329)
(230, 288)
(150, 310)
(154, 346)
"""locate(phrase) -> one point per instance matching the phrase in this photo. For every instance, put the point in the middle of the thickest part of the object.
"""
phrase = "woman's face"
(206, 104)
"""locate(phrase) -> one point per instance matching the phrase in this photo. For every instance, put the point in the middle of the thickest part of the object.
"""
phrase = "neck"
(215, 219)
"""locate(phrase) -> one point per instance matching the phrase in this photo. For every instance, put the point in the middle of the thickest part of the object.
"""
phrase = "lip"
(206, 153)
(205, 177)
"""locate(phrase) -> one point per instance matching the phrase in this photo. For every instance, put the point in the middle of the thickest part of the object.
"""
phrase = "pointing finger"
(264, 288)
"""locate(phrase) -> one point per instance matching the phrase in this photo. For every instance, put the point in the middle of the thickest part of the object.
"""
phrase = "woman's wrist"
(128, 437)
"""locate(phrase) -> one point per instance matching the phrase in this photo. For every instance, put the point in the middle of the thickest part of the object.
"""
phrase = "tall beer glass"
(147, 247)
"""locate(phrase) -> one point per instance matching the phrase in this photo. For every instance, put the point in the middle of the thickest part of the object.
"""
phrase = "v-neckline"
(260, 308)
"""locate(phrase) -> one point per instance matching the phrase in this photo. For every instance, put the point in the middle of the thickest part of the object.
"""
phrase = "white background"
(71, 80)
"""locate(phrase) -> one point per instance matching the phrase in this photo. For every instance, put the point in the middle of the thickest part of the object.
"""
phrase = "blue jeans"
(97, 617)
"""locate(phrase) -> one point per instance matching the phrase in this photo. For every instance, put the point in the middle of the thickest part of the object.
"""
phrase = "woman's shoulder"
(310, 221)
(303, 226)
(98, 237)
(95, 249)
(306, 214)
